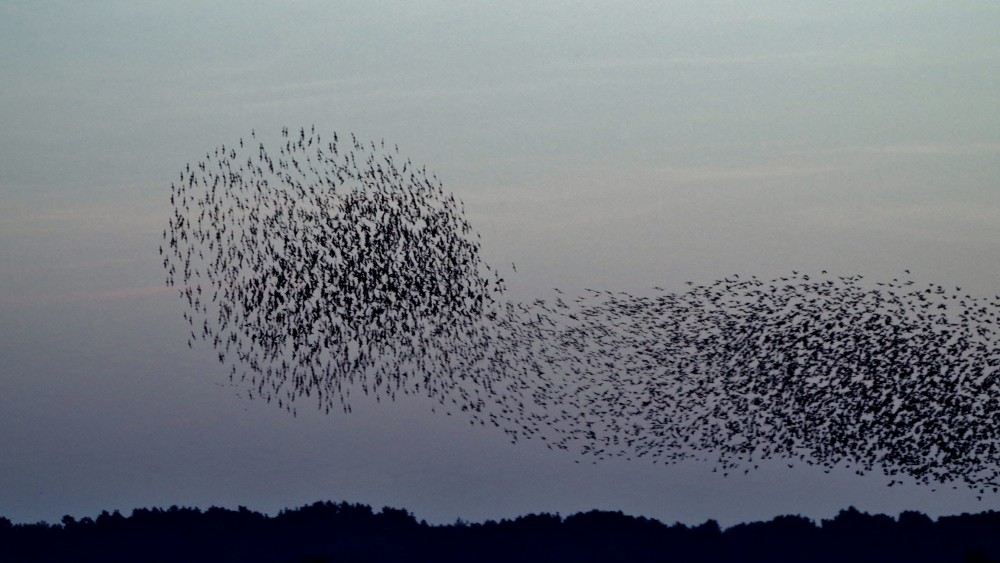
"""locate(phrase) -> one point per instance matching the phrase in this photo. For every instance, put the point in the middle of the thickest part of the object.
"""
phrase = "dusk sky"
(617, 146)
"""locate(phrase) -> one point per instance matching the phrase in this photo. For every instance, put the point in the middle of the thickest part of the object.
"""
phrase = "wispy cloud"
(88, 296)
(904, 149)
(932, 149)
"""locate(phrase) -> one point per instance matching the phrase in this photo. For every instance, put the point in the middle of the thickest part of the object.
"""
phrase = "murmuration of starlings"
(321, 266)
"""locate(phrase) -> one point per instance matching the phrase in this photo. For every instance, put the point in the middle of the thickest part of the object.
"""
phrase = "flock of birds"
(331, 265)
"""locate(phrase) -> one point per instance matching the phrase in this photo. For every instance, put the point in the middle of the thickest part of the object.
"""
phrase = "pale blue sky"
(611, 145)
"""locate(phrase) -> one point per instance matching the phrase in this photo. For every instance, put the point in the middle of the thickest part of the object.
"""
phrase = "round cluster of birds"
(323, 266)
(332, 265)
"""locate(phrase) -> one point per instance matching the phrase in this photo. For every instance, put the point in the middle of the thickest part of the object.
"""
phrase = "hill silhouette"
(328, 531)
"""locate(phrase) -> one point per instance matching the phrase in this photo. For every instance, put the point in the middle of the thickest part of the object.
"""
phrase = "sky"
(619, 146)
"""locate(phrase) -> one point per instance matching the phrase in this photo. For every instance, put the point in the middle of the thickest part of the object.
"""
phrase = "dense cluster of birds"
(323, 267)
(332, 265)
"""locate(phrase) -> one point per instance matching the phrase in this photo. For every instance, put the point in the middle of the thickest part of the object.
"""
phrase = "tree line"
(328, 532)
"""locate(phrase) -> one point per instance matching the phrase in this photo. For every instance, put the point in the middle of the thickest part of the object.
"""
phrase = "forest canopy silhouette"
(327, 531)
